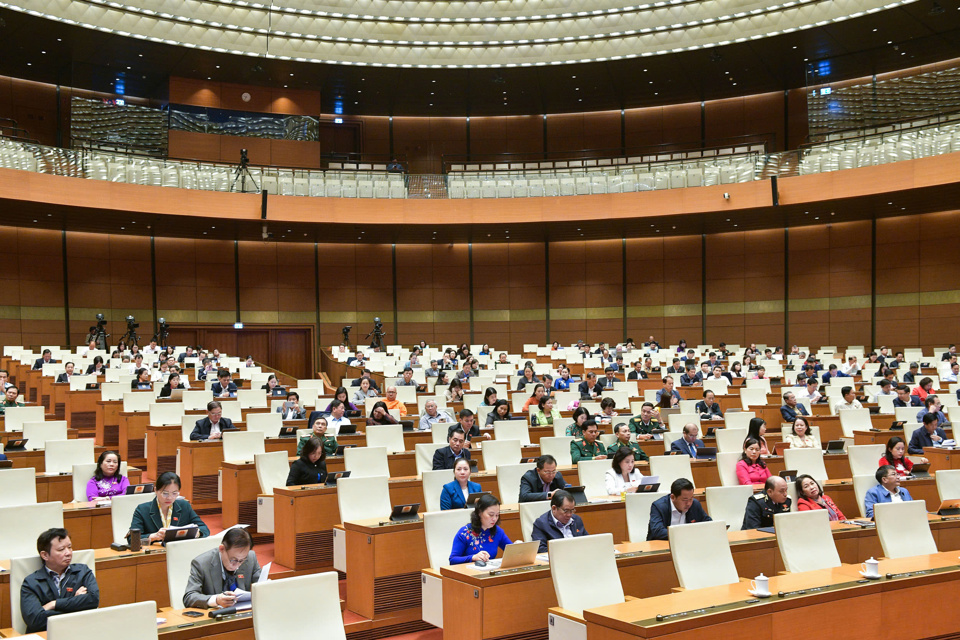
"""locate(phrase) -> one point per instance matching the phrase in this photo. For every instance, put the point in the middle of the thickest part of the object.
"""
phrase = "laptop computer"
(176, 394)
(341, 447)
(406, 425)
(579, 497)
(873, 410)
(92, 386)
(897, 425)
(287, 432)
(921, 470)
(473, 497)
(835, 446)
(278, 392)
(333, 476)
(790, 475)
(405, 512)
(528, 460)
(949, 508)
(648, 488)
(707, 453)
(139, 488)
(519, 554)
(176, 534)
(16, 445)
(347, 430)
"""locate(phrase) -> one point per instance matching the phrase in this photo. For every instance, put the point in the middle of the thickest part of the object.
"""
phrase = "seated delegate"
(168, 510)
(107, 481)
(800, 436)
(213, 426)
(811, 497)
(623, 476)
(446, 457)
(888, 489)
(454, 494)
(541, 483)
(319, 431)
(680, 507)
(216, 574)
(311, 466)
(58, 586)
(561, 521)
(481, 539)
(751, 469)
(762, 507)
(895, 456)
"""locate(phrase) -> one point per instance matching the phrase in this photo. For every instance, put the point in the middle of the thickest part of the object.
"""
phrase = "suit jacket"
(877, 495)
(91, 369)
(217, 388)
(451, 496)
(38, 589)
(146, 517)
(760, 510)
(584, 389)
(531, 487)
(445, 458)
(660, 512)
(202, 429)
(206, 577)
(63, 378)
(680, 444)
(789, 414)
(915, 401)
(921, 439)
(633, 375)
(39, 365)
(712, 410)
(545, 529)
(292, 414)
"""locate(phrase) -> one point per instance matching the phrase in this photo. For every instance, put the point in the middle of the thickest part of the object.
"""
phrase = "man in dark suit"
(559, 522)
(46, 359)
(590, 388)
(213, 426)
(186, 354)
(224, 387)
(791, 408)
(216, 574)
(680, 507)
(638, 373)
(446, 457)
(689, 443)
(58, 586)
(65, 377)
(608, 379)
(904, 399)
(543, 482)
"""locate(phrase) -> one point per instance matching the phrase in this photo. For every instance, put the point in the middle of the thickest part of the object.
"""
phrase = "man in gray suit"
(216, 574)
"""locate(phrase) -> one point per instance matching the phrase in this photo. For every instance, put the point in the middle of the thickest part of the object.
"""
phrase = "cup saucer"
(758, 595)
(868, 577)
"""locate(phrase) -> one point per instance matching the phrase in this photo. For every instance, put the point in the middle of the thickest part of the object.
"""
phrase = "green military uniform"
(638, 453)
(636, 426)
(7, 403)
(580, 449)
(329, 444)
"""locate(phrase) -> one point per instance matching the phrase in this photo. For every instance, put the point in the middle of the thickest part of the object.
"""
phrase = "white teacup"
(760, 585)
(871, 568)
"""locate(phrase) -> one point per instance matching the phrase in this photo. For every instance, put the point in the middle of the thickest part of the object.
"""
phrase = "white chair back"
(592, 476)
(508, 480)
(14, 417)
(138, 620)
(738, 419)
(272, 470)
(138, 401)
(677, 421)
(728, 503)
(433, 482)
(904, 529)
(278, 606)
(165, 413)
(268, 423)
(366, 462)
(364, 497)
(862, 484)
(727, 467)
(39, 432)
(60, 455)
(948, 484)
(388, 436)
(21, 525)
(252, 399)
(242, 445)
(179, 556)
(20, 568)
(669, 468)
(423, 454)
(559, 448)
(500, 452)
(121, 513)
(806, 541)
(851, 419)
(18, 487)
(752, 397)
(512, 430)
(638, 513)
(439, 528)
(577, 589)
(195, 399)
(731, 440)
(529, 512)
(701, 554)
(863, 458)
(808, 461)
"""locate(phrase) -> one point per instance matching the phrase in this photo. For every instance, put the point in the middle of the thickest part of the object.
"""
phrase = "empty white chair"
(862, 484)
(559, 448)
(60, 455)
(138, 620)
(14, 417)
(364, 462)
(730, 440)
(508, 480)
(806, 541)
(529, 512)
(18, 487)
(863, 458)
(166, 413)
(904, 529)
(423, 453)
(638, 513)
(738, 420)
(121, 513)
(753, 397)
(577, 589)
(592, 476)
(499, 452)
(851, 419)
(948, 484)
(362, 498)
(251, 399)
(266, 423)
(272, 471)
(809, 461)
(433, 482)
(727, 468)
(39, 432)
(439, 528)
(242, 445)
(20, 526)
(728, 503)
(669, 468)
(512, 430)
(279, 604)
(388, 436)
(701, 555)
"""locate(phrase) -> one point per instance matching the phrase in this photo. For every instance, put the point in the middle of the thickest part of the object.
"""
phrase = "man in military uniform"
(622, 431)
(589, 446)
(645, 424)
(761, 509)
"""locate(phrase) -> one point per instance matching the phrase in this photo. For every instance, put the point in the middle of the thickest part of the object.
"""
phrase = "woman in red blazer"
(810, 497)
(895, 456)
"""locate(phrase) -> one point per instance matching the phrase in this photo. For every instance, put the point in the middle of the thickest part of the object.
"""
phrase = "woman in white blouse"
(800, 436)
(624, 476)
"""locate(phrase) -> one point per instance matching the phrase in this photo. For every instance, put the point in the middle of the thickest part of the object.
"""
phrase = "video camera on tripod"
(99, 332)
(378, 333)
(163, 332)
(131, 338)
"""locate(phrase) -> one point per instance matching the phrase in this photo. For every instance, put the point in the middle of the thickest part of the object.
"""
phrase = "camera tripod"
(241, 174)
(130, 338)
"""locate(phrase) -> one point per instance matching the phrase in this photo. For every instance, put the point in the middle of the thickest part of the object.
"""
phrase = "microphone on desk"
(219, 613)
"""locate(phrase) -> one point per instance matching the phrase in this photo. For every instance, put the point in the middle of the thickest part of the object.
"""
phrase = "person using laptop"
(810, 497)
(800, 436)
(929, 435)
(791, 408)
(680, 507)
(541, 483)
(446, 457)
(480, 539)
(751, 469)
(153, 518)
(59, 586)
(709, 408)
(319, 430)
(689, 443)
(173, 382)
(888, 489)
(894, 456)
(213, 426)
(142, 381)
(623, 475)
(311, 466)
(455, 493)
(216, 574)
(644, 424)
(931, 405)
(561, 521)
(107, 481)
(762, 507)
(224, 387)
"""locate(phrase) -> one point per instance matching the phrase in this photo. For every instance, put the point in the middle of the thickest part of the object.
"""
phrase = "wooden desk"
(59, 488)
(108, 422)
(80, 409)
(161, 449)
(829, 596)
(941, 459)
(131, 430)
(35, 458)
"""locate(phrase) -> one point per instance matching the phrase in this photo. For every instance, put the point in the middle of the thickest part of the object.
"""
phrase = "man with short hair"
(708, 408)
(931, 405)
(791, 408)
(689, 443)
(407, 378)
(219, 575)
(852, 367)
(213, 426)
(543, 482)
(10, 399)
(58, 586)
(357, 360)
(608, 378)
(886, 389)
(431, 416)
(186, 354)
(433, 371)
(467, 421)
(888, 489)
(904, 399)
(224, 386)
(761, 508)
(951, 351)
(46, 358)
(590, 388)
(832, 372)
(589, 446)
(954, 373)
(680, 507)
(336, 418)
(929, 435)
(638, 373)
(910, 377)
(560, 522)
(369, 375)
(446, 457)
(68, 371)
(644, 424)
(622, 431)
(392, 403)
(669, 390)
(691, 378)
(4, 380)
(291, 409)
(810, 390)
